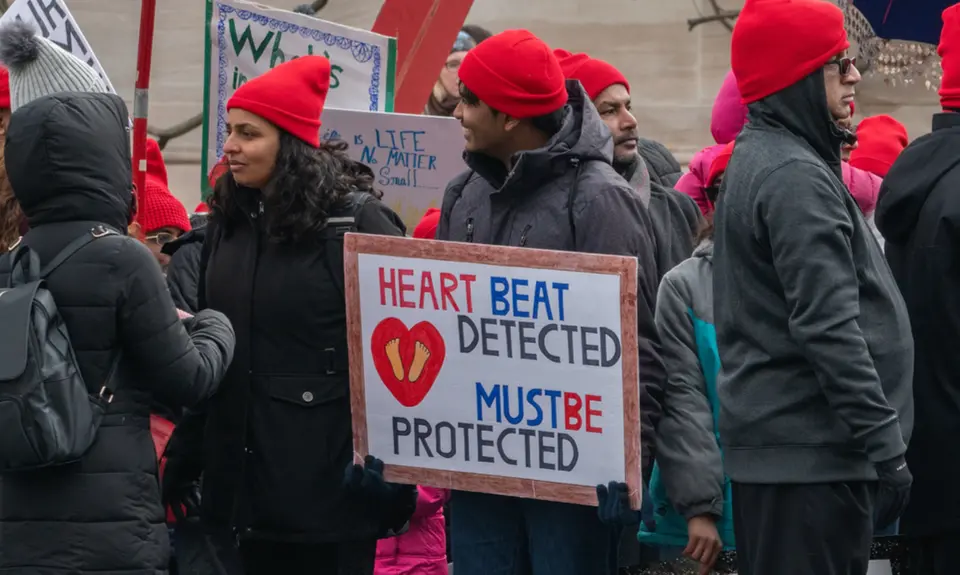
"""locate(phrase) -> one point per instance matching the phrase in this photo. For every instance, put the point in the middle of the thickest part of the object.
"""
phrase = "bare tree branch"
(719, 15)
(164, 135)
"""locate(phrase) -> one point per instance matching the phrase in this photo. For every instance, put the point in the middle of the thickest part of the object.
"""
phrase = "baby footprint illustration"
(420, 356)
(393, 355)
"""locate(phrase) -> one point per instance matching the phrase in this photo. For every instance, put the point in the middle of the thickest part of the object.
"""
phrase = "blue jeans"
(496, 535)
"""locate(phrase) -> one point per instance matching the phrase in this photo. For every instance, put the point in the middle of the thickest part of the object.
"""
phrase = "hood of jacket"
(704, 249)
(801, 109)
(663, 166)
(582, 137)
(729, 115)
(915, 175)
(68, 159)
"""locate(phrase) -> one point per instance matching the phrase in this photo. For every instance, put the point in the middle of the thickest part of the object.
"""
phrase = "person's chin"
(622, 161)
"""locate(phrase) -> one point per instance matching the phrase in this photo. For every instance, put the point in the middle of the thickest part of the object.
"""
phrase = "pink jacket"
(422, 550)
(728, 118)
(726, 121)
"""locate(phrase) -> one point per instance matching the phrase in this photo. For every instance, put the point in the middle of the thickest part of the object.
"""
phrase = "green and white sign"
(244, 40)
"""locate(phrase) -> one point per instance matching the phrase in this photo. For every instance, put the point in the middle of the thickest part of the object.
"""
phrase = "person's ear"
(134, 230)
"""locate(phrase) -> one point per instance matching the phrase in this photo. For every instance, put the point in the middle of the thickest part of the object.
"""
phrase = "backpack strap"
(75, 246)
(338, 225)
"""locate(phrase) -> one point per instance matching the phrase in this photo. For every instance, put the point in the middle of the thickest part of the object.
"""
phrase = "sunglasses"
(843, 64)
(161, 238)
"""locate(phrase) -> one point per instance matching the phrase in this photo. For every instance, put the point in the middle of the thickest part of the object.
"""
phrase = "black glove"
(613, 505)
(893, 493)
(304, 9)
(180, 488)
(396, 502)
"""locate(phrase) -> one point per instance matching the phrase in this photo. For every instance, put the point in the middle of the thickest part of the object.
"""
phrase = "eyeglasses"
(843, 64)
(161, 238)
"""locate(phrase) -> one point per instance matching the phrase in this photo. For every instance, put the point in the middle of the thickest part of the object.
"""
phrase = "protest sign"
(494, 369)
(55, 23)
(412, 157)
(244, 40)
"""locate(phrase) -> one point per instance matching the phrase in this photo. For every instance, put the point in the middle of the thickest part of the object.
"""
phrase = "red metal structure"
(425, 30)
(141, 95)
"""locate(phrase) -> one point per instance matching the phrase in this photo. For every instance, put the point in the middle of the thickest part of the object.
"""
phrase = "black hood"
(801, 109)
(68, 159)
(914, 176)
(583, 136)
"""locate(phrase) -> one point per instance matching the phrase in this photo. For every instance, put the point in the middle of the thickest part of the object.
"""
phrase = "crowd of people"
(798, 299)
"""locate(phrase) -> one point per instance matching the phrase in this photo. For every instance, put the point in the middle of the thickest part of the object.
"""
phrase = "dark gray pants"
(821, 528)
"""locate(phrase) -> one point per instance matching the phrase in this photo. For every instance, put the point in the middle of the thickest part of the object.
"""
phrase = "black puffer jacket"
(68, 157)
(664, 168)
(277, 438)
(183, 273)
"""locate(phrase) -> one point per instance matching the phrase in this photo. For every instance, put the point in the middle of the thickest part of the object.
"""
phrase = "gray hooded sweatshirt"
(814, 337)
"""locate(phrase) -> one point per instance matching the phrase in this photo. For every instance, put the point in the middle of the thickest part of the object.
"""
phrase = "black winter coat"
(183, 272)
(68, 157)
(277, 438)
(918, 214)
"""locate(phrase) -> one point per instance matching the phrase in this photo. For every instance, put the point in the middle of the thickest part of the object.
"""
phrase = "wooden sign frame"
(624, 267)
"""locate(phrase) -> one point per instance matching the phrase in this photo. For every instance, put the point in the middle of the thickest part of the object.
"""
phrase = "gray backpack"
(47, 415)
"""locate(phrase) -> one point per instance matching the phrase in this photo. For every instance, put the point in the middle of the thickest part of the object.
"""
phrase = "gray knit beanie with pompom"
(38, 67)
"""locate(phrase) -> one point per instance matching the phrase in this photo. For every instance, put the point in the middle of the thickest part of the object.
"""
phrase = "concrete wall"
(674, 73)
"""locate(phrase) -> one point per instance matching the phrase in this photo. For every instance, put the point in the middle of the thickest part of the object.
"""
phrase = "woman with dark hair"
(277, 439)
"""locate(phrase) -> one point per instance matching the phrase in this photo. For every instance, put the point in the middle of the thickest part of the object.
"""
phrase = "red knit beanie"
(4, 88)
(949, 50)
(595, 75)
(515, 73)
(720, 163)
(427, 228)
(202, 208)
(290, 96)
(880, 140)
(158, 207)
(777, 43)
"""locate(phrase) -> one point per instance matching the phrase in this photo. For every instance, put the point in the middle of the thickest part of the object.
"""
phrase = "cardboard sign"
(494, 369)
(244, 40)
(412, 157)
(55, 23)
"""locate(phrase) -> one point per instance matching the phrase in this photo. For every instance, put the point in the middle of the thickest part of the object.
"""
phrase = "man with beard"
(816, 353)
(676, 217)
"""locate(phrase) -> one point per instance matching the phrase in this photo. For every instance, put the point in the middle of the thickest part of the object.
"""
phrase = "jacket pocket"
(301, 441)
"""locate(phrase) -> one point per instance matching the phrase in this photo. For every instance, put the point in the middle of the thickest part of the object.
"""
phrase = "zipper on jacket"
(469, 230)
(523, 235)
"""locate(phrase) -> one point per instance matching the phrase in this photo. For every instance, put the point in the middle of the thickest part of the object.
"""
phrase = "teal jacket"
(688, 478)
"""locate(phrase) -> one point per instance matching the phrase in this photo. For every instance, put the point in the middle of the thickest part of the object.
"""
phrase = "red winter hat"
(202, 208)
(158, 207)
(154, 159)
(290, 96)
(719, 165)
(949, 50)
(777, 43)
(427, 228)
(595, 75)
(880, 140)
(4, 88)
(515, 72)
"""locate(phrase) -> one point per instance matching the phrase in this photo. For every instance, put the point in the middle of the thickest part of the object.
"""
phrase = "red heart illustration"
(408, 361)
